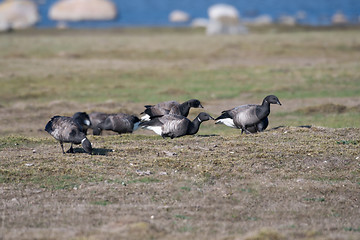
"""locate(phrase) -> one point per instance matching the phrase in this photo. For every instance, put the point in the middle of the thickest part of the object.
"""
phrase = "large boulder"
(339, 19)
(79, 10)
(178, 16)
(224, 19)
(223, 13)
(287, 20)
(17, 14)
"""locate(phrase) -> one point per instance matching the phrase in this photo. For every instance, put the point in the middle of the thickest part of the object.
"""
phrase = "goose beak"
(278, 102)
(211, 117)
(200, 106)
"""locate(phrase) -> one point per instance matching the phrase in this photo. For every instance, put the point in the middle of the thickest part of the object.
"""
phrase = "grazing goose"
(173, 126)
(95, 119)
(70, 130)
(249, 118)
(120, 123)
(170, 107)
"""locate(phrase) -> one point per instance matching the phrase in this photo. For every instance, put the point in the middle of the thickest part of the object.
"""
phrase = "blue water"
(156, 12)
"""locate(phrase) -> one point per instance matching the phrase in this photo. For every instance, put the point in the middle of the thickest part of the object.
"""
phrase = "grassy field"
(289, 182)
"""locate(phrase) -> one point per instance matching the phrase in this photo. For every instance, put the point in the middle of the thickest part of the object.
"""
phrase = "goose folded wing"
(167, 105)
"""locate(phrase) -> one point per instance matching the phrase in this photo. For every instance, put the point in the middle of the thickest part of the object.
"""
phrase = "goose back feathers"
(120, 123)
(170, 107)
(174, 126)
(249, 118)
(70, 130)
(96, 118)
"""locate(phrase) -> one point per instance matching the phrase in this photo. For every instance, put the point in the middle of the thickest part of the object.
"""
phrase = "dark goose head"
(272, 99)
(194, 103)
(82, 118)
(203, 116)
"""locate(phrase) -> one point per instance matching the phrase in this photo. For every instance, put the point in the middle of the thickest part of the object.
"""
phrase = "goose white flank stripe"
(227, 121)
(157, 129)
(145, 118)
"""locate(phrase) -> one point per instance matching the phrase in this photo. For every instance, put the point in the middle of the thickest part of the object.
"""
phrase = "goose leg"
(62, 147)
(245, 130)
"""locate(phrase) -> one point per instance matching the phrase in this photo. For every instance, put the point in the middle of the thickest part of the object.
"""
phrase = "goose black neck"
(78, 121)
(184, 109)
(194, 126)
(80, 124)
(263, 110)
(265, 103)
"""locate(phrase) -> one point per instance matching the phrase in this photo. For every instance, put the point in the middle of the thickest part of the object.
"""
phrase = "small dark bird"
(120, 123)
(174, 126)
(70, 130)
(170, 107)
(249, 118)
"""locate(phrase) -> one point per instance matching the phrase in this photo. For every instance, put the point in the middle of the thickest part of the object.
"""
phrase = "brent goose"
(249, 118)
(120, 123)
(70, 130)
(95, 119)
(170, 107)
(173, 126)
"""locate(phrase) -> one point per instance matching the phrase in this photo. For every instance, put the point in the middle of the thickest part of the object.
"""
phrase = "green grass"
(84, 73)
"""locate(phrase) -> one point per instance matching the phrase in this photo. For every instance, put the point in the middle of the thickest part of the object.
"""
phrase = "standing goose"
(120, 123)
(70, 130)
(249, 118)
(173, 126)
(170, 107)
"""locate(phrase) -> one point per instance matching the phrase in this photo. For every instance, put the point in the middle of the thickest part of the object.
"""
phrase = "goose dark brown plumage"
(174, 126)
(120, 123)
(170, 107)
(96, 118)
(70, 130)
(249, 118)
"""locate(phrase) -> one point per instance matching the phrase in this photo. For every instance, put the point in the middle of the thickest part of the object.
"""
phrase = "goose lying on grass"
(95, 119)
(249, 118)
(70, 130)
(170, 107)
(120, 123)
(174, 126)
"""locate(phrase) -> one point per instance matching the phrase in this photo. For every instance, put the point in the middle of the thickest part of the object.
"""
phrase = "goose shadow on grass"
(207, 135)
(96, 151)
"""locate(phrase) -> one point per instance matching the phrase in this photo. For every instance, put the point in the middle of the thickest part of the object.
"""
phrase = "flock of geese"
(167, 119)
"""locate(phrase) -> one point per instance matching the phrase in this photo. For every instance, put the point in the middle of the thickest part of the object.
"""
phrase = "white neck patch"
(199, 119)
(87, 122)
